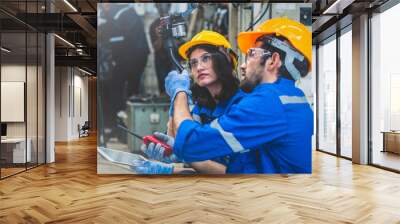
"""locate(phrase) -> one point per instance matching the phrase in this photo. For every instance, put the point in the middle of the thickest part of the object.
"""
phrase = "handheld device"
(148, 139)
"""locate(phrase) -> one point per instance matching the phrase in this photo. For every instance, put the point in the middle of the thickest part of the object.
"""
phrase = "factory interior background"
(55, 111)
(141, 104)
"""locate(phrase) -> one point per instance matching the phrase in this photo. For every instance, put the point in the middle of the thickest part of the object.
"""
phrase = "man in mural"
(274, 119)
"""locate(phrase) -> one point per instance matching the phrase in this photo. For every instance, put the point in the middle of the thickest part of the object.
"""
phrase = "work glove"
(141, 166)
(156, 151)
(175, 83)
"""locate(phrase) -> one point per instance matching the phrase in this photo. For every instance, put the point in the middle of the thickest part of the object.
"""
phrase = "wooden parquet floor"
(70, 191)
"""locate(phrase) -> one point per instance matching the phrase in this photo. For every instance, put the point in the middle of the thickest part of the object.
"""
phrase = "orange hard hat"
(296, 33)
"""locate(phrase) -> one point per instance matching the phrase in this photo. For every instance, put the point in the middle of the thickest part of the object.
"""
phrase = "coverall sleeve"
(196, 114)
(253, 122)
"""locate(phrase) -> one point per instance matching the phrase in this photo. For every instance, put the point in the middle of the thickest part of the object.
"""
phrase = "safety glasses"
(205, 59)
(255, 51)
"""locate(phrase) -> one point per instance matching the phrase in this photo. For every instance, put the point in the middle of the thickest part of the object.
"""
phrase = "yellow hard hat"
(296, 33)
(208, 37)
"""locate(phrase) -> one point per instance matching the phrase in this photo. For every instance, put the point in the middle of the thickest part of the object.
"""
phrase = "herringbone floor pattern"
(70, 191)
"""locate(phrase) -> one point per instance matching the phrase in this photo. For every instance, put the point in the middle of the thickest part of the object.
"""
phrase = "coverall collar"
(279, 81)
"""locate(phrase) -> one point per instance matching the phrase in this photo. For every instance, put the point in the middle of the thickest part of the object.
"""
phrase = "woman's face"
(201, 68)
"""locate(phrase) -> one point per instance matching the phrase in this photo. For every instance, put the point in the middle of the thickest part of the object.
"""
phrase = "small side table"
(391, 141)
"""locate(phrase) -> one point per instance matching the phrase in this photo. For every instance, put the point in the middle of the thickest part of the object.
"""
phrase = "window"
(346, 93)
(22, 76)
(327, 96)
(385, 89)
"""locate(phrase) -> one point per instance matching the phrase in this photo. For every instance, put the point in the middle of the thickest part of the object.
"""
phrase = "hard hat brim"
(186, 46)
(247, 40)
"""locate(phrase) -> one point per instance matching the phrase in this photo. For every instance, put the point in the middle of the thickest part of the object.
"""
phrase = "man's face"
(252, 69)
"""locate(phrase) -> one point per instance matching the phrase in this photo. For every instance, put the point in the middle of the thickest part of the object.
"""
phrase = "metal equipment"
(174, 27)
(146, 116)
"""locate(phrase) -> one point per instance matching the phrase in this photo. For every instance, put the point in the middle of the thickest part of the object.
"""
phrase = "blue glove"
(156, 151)
(175, 83)
(151, 167)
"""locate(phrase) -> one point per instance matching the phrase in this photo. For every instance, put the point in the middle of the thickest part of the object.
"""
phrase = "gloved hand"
(175, 83)
(156, 151)
(151, 167)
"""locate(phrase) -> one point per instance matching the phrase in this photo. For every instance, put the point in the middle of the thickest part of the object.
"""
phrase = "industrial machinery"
(146, 116)
(174, 27)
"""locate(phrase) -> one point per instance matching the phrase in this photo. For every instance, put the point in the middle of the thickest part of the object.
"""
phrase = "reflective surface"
(327, 96)
(23, 91)
(385, 87)
(346, 94)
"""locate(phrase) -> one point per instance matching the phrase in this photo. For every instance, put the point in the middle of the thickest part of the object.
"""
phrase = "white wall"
(71, 94)
(33, 125)
(79, 115)
(13, 73)
(61, 103)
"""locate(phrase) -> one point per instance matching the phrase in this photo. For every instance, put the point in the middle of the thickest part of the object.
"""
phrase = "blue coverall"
(274, 120)
(245, 162)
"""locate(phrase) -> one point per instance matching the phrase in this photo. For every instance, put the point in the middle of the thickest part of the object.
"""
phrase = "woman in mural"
(212, 64)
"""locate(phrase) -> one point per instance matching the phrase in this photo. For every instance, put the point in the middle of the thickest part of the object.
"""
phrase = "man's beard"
(247, 85)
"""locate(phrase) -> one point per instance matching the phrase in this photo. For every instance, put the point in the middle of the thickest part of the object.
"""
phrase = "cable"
(174, 60)
(259, 18)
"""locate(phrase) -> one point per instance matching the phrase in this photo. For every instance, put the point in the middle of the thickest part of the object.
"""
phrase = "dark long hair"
(226, 75)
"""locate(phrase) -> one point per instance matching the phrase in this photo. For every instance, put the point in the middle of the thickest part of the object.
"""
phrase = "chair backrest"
(86, 125)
